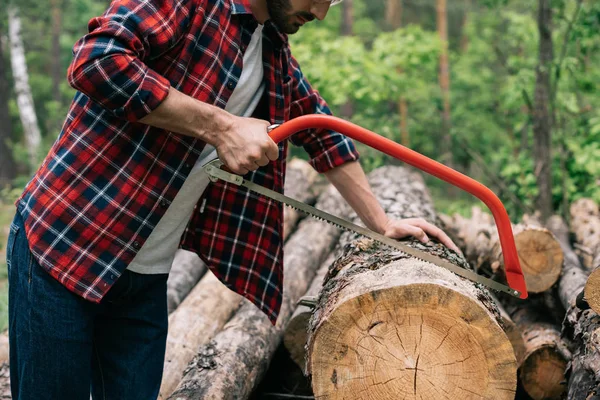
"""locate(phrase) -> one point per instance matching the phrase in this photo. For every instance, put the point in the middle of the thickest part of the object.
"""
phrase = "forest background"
(504, 91)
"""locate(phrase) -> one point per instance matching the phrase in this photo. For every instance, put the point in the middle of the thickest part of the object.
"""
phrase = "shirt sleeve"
(108, 62)
(327, 149)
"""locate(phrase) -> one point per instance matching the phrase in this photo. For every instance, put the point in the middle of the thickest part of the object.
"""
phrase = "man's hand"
(419, 228)
(242, 143)
(245, 146)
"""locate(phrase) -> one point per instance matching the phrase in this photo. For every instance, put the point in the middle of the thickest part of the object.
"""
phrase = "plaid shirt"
(108, 179)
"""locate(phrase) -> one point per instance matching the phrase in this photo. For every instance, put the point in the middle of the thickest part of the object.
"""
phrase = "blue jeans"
(65, 347)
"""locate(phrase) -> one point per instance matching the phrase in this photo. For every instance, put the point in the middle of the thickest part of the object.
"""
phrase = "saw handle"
(512, 267)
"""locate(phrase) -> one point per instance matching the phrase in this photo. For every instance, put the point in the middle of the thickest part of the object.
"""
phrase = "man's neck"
(259, 10)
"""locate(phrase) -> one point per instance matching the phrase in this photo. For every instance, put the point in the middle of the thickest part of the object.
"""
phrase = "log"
(539, 252)
(512, 332)
(299, 180)
(186, 271)
(585, 225)
(581, 328)
(5, 393)
(199, 317)
(232, 364)
(573, 278)
(296, 331)
(391, 326)
(542, 371)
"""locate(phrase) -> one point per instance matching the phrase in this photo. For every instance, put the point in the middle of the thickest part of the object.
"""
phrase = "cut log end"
(419, 340)
(543, 373)
(592, 290)
(541, 258)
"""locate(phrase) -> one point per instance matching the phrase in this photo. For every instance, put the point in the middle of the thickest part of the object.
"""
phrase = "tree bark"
(542, 119)
(232, 364)
(31, 129)
(199, 317)
(7, 164)
(58, 76)
(387, 323)
(347, 29)
(581, 328)
(444, 78)
(585, 225)
(296, 331)
(186, 271)
(5, 393)
(540, 254)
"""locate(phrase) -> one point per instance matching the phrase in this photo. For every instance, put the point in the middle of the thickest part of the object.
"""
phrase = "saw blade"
(216, 173)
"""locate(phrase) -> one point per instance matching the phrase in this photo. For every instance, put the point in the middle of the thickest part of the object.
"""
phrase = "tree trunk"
(232, 364)
(347, 27)
(545, 360)
(57, 71)
(540, 254)
(581, 328)
(186, 271)
(199, 317)
(7, 164)
(299, 180)
(542, 119)
(387, 323)
(31, 129)
(393, 13)
(444, 78)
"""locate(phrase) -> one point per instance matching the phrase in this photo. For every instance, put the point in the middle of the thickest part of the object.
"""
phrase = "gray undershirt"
(157, 253)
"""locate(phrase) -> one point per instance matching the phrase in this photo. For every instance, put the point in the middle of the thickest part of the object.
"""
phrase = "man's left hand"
(419, 228)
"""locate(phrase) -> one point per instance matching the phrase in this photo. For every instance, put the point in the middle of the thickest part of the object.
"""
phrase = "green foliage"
(493, 57)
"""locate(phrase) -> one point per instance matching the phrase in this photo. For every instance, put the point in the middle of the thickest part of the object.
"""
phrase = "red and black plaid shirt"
(108, 178)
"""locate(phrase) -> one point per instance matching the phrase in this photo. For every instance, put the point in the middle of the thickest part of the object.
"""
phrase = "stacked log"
(581, 328)
(387, 325)
(542, 369)
(539, 252)
(300, 180)
(199, 317)
(186, 270)
(231, 365)
(296, 331)
(585, 225)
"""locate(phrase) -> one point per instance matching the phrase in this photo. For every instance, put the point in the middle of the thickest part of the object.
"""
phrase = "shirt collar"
(241, 7)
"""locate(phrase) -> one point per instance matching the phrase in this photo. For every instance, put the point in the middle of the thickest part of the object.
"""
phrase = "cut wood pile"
(375, 323)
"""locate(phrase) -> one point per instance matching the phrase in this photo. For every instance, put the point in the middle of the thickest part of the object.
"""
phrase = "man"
(163, 86)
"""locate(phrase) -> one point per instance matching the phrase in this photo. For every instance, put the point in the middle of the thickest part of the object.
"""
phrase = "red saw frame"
(512, 267)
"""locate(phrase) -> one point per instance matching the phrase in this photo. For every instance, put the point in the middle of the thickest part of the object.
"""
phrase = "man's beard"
(280, 16)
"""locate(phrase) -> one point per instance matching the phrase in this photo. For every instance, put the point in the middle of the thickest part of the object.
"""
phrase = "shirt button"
(230, 85)
(164, 203)
(136, 244)
(279, 103)
(187, 166)
(112, 277)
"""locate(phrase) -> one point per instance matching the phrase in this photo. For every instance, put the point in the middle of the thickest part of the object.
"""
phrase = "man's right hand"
(245, 145)
(242, 144)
